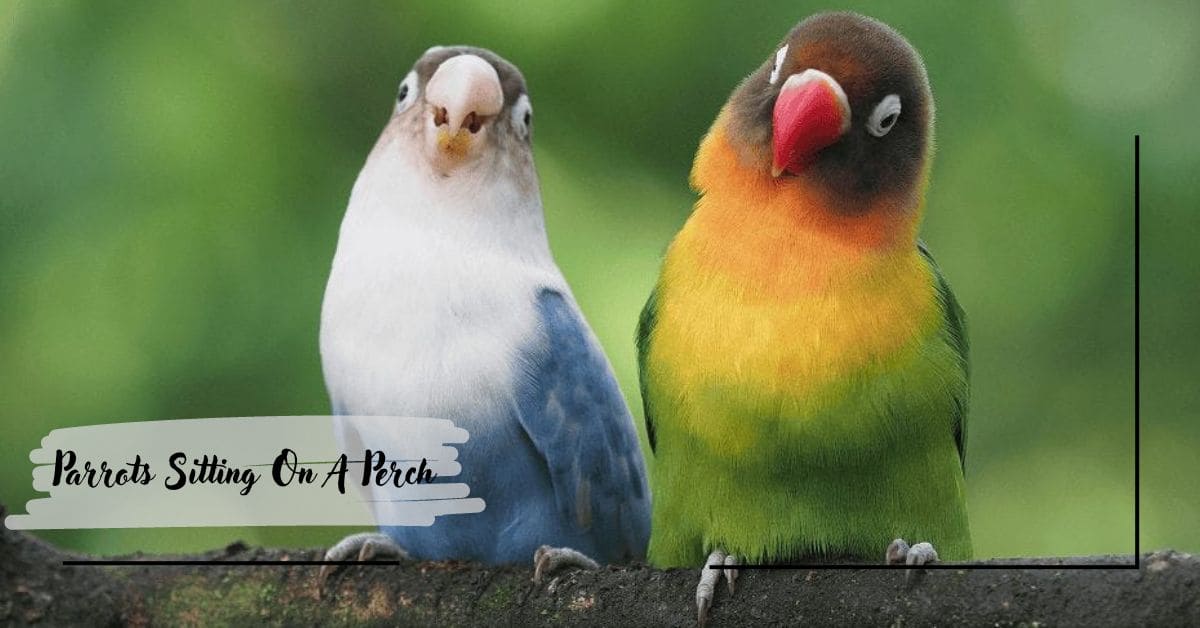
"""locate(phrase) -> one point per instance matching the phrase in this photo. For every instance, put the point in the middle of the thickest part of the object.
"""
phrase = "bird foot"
(920, 554)
(547, 560)
(363, 546)
(708, 581)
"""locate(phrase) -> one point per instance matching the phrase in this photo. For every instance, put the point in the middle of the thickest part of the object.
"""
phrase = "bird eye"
(779, 57)
(885, 115)
(408, 92)
(522, 115)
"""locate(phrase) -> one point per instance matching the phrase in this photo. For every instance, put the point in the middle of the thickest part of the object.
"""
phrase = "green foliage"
(172, 177)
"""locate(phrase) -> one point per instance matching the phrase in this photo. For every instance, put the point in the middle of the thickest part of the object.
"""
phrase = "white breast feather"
(431, 294)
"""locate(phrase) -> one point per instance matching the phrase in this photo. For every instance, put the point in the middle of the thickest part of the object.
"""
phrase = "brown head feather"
(869, 60)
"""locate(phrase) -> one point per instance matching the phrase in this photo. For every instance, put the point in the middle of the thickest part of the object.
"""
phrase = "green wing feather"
(646, 324)
(956, 330)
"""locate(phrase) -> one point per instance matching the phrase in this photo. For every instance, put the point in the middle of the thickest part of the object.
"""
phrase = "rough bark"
(35, 587)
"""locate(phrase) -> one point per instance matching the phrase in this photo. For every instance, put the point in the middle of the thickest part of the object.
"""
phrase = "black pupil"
(887, 121)
(403, 91)
(528, 116)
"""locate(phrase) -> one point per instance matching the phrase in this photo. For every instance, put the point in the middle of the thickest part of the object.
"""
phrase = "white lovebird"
(444, 301)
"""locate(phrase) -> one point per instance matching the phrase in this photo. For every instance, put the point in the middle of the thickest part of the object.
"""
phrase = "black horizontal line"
(248, 563)
(942, 566)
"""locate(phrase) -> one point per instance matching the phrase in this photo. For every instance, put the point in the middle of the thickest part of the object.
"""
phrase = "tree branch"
(36, 587)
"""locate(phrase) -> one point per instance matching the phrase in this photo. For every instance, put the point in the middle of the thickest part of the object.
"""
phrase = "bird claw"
(364, 546)
(899, 552)
(547, 560)
(896, 552)
(731, 574)
(708, 581)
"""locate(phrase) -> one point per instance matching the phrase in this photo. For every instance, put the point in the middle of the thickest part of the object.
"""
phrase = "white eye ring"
(779, 57)
(885, 115)
(408, 92)
(522, 115)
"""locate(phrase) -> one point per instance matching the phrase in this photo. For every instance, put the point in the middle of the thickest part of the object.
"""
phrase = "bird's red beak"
(811, 112)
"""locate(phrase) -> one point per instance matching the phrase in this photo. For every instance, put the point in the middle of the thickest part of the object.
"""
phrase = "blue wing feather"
(571, 408)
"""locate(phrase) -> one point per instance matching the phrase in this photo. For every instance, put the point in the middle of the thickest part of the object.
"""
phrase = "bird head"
(464, 107)
(842, 106)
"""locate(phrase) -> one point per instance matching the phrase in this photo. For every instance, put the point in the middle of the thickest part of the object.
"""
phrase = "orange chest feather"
(762, 287)
(792, 325)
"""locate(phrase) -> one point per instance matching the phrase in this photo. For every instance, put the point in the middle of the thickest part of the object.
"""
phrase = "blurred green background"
(172, 178)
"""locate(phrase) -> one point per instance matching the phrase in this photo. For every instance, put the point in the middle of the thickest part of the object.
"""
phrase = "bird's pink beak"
(463, 93)
(811, 112)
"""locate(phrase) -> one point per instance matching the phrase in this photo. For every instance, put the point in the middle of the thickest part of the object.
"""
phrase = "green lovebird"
(803, 362)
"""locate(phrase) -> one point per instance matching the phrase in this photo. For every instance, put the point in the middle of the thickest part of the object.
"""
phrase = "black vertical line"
(1137, 349)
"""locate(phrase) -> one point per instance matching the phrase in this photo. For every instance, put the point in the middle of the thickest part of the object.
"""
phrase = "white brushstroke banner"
(239, 472)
